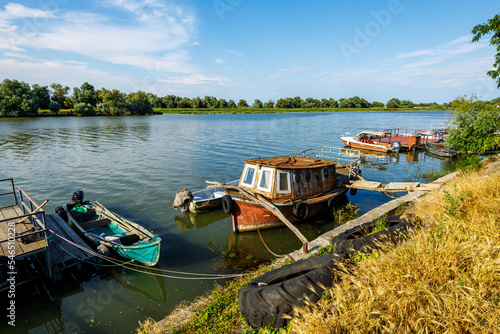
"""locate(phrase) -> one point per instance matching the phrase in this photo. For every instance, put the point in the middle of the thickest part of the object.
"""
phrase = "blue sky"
(410, 49)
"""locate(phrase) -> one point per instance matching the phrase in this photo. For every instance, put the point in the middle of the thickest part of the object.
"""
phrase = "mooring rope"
(131, 266)
(270, 251)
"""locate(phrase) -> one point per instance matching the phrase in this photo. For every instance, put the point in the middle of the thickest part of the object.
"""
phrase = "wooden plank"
(401, 185)
(365, 184)
(60, 227)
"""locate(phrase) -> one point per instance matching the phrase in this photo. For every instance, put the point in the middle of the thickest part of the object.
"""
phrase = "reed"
(444, 280)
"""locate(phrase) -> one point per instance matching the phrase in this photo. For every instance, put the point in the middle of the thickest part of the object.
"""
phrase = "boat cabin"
(285, 178)
(372, 136)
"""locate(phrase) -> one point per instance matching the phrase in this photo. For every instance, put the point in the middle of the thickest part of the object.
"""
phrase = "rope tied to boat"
(131, 265)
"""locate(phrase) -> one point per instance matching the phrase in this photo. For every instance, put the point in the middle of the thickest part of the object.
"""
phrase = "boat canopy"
(376, 133)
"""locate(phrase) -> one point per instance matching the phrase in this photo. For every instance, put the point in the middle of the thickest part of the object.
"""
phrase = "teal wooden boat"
(108, 231)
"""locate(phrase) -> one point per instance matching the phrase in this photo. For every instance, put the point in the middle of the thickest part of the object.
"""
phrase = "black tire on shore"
(269, 299)
(358, 238)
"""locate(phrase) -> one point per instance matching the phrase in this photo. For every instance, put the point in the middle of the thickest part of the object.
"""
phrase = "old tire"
(62, 213)
(227, 204)
(358, 238)
(300, 210)
(268, 298)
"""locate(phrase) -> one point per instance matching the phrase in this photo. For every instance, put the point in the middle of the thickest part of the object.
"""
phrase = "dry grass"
(445, 280)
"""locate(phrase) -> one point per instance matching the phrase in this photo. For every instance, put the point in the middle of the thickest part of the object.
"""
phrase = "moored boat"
(299, 186)
(202, 200)
(441, 149)
(372, 140)
(108, 231)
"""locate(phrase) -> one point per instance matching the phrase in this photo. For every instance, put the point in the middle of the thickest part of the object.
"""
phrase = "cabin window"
(325, 173)
(249, 176)
(265, 180)
(297, 177)
(283, 182)
(308, 176)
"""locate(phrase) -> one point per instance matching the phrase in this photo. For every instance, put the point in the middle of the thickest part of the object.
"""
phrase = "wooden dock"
(29, 237)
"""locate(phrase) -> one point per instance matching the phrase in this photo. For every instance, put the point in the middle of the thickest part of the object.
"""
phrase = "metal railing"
(28, 206)
(342, 155)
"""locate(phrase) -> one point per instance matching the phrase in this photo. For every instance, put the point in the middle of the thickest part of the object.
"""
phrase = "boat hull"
(250, 216)
(352, 142)
(441, 150)
(145, 251)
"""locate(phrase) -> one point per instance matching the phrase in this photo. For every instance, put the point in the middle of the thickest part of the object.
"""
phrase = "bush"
(84, 109)
(54, 107)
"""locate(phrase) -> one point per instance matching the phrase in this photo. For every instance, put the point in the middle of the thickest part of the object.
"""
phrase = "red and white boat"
(372, 140)
(299, 186)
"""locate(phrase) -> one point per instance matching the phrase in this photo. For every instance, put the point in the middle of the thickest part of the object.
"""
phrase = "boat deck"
(62, 253)
(12, 227)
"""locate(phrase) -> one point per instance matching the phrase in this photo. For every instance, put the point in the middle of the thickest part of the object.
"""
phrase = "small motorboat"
(441, 149)
(108, 231)
(299, 186)
(202, 200)
(372, 140)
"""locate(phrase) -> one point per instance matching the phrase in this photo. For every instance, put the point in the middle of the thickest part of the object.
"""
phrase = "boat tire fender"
(62, 213)
(227, 204)
(269, 300)
(300, 210)
(348, 243)
(353, 191)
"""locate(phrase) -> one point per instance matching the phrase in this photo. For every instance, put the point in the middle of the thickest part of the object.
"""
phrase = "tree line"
(19, 99)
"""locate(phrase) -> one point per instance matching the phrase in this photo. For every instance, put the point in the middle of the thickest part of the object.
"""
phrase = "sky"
(418, 50)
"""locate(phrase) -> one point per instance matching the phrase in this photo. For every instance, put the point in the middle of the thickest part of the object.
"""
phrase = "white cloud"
(148, 34)
(235, 53)
(196, 79)
(46, 72)
(219, 61)
(14, 11)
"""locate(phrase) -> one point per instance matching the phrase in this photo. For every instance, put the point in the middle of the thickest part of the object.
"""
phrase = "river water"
(135, 166)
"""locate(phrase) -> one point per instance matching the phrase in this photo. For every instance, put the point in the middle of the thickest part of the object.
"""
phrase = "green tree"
(42, 93)
(333, 103)
(231, 104)
(269, 104)
(377, 104)
(297, 102)
(59, 93)
(169, 101)
(311, 103)
(138, 103)
(17, 99)
(407, 104)
(112, 102)
(54, 107)
(257, 103)
(394, 103)
(242, 103)
(491, 26)
(284, 103)
(85, 94)
(474, 126)
(221, 103)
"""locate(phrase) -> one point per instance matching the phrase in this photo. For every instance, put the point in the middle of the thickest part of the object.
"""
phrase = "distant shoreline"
(246, 110)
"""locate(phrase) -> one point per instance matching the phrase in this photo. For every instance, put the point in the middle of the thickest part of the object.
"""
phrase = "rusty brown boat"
(299, 186)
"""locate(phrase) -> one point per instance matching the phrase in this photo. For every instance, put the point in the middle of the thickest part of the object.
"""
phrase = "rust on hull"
(250, 216)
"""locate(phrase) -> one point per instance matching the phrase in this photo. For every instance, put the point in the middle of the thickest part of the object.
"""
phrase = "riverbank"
(251, 110)
(460, 210)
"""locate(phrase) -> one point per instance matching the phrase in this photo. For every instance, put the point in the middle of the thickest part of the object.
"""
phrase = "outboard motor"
(77, 197)
(396, 146)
